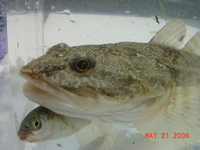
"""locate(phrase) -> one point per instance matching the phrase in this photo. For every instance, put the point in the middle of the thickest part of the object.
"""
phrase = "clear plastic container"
(29, 28)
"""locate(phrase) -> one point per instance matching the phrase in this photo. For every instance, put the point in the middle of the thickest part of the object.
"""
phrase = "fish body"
(42, 124)
(152, 85)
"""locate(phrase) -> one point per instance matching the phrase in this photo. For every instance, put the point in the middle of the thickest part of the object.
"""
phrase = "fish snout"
(25, 135)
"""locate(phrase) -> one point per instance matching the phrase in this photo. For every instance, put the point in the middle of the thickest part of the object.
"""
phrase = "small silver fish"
(153, 85)
(42, 124)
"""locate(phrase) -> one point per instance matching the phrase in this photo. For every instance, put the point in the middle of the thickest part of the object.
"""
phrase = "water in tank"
(29, 28)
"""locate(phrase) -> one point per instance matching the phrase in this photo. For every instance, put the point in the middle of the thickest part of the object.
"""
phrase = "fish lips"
(37, 84)
(40, 91)
(26, 135)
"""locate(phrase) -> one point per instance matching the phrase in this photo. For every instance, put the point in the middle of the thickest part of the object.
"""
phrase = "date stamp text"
(167, 135)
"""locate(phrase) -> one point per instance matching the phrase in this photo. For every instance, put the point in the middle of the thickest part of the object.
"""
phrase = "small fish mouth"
(24, 135)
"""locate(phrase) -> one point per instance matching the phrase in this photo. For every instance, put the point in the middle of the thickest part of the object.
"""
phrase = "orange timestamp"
(167, 135)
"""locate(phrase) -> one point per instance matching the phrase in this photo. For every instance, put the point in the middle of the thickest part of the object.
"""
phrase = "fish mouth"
(32, 77)
(37, 85)
(51, 96)
(26, 135)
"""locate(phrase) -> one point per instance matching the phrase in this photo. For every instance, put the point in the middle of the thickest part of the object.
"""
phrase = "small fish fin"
(95, 144)
(178, 120)
(193, 45)
(104, 142)
(171, 35)
(109, 141)
(95, 130)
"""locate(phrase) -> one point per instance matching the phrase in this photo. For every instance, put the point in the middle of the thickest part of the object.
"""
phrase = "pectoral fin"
(179, 117)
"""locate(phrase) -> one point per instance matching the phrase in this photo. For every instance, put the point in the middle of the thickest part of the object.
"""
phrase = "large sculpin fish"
(153, 85)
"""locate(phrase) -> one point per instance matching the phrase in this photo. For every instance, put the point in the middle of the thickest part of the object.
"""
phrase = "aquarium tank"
(28, 28)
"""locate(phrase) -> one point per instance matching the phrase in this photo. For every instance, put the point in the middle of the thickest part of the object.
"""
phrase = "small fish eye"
(34, 122)
(82, 65)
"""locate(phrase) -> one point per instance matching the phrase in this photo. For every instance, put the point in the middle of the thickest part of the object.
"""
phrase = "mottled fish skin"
(41, 124)
(124, 82)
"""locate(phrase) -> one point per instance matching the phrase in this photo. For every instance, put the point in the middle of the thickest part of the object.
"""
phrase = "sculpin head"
(94, 79)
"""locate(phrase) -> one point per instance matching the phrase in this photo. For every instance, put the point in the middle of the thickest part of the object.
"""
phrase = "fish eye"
(34, 122)
(82, 64)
